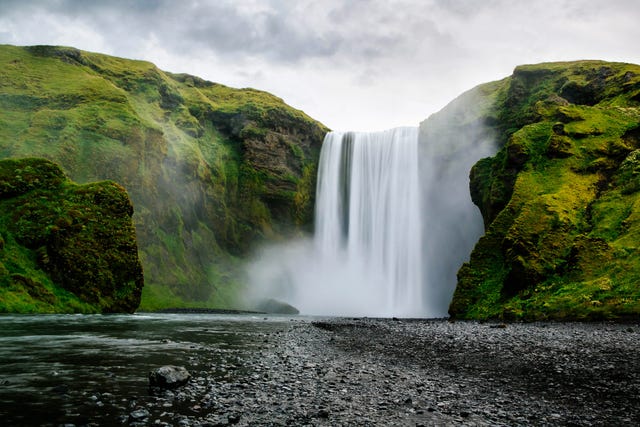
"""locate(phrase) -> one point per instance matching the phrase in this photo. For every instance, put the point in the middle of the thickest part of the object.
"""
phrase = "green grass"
(565, 244)
(181, 146)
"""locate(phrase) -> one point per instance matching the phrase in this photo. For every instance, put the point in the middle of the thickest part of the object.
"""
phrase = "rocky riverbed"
(394, 372)
(381, 372)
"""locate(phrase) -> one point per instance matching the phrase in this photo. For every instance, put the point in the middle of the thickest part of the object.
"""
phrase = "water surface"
(57, 368)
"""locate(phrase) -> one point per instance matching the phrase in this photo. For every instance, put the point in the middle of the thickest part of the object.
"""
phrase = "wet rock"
(274, 306)
(138, 415)
(169, 377)
(323, 413)
(233, 418)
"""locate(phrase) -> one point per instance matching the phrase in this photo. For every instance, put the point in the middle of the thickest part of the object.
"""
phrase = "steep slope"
(560, 199)
(65, 247)
(451, 141)
(211, 170)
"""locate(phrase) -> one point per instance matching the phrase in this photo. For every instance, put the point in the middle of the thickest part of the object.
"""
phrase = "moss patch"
(65, 247)
(212, 170)
(559, 199)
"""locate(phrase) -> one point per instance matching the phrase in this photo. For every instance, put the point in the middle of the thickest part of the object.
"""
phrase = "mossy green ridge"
(212, 171)
(65, 247)
(560, 199)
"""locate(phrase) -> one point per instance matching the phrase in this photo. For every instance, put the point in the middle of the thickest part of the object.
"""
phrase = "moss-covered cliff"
(560, 199)
(211, 170)
(65, 247)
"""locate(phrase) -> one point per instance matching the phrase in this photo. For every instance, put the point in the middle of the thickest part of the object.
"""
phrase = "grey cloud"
(269, 34)
(277, 30)
(374, 50)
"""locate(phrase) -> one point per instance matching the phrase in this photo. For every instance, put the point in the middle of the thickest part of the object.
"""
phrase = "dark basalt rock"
(169, 377)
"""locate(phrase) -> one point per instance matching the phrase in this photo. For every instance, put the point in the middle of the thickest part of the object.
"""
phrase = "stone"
(138, 415)
(169, 377)
(323, 413)
(273, 306)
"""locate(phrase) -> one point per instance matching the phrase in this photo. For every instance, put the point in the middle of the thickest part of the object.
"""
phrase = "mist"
(321, 278)
(365, 257)
(452, 224)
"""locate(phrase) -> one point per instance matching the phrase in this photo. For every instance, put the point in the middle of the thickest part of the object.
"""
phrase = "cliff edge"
(560, 199)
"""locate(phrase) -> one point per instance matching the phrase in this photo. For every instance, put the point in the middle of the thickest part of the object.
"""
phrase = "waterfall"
(368, 225)
(394, 222)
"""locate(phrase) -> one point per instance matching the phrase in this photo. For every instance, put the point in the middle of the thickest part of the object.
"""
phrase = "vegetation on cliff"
(560, 199)
(211, 170)
(65, 247)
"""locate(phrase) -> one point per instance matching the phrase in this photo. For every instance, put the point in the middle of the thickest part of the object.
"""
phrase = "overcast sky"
(353, 65)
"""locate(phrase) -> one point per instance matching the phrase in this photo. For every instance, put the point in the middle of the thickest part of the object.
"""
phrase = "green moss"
(559, 199)
(212, 170)
(66, 248)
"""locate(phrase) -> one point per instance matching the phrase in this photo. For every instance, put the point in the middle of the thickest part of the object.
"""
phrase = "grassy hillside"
(212, 171)
(561, 198)
(65, 247)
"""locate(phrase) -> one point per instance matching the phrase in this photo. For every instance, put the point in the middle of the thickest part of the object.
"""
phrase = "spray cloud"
(394, 222)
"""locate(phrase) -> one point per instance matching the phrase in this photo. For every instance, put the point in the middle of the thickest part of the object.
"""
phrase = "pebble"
(403, 372)
(139, 415)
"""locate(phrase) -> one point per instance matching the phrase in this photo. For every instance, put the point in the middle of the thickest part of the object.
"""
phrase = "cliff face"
(211, 170)
(65, 247)
(560, 199)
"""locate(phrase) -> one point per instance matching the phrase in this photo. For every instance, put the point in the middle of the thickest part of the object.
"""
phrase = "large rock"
(274, 306)
(169, 376)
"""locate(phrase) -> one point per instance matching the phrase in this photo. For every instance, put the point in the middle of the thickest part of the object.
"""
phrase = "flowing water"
(61, 368)
(368, 224)
(366, 256)
(394, 222)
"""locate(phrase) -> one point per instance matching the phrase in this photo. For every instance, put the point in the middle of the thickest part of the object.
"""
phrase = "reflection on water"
(60, 367)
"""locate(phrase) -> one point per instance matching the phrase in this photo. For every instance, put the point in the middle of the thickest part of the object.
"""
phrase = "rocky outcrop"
(212, 171)
(560, 199)
(65, 247)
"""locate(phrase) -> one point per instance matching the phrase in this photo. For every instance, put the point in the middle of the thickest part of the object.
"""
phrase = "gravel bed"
(386, 372)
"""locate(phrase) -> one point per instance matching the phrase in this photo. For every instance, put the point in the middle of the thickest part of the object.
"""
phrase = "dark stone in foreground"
(139, 415)
(169, 377)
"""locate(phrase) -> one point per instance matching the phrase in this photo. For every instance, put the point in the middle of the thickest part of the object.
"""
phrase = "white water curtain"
(368, 230)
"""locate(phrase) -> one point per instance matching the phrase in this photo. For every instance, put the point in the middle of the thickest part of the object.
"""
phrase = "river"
(79, 369)
(255, 370)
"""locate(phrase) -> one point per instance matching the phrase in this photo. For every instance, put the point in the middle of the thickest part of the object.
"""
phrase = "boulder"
(273, 306)
(169, 377)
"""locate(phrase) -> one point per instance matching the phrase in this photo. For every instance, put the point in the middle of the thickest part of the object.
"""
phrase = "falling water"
(394, 223)
(368, 222)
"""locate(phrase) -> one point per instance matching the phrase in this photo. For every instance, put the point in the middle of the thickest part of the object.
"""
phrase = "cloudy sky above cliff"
(354, 65)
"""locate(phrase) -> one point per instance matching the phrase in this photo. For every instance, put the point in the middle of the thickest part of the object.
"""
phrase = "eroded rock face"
(169, 376)
(78, 238)
(560, 200)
